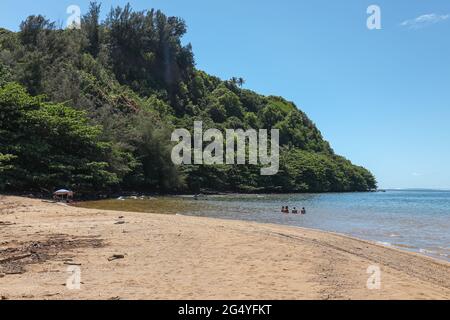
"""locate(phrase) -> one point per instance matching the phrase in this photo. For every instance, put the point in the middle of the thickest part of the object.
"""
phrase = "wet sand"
(127, 255)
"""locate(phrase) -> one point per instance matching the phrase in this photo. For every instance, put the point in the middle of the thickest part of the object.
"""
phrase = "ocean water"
(414, 220)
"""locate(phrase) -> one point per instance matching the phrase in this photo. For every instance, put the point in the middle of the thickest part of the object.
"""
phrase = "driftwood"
(6, 223)
(15, 258)
(72, 263)
(116, 257)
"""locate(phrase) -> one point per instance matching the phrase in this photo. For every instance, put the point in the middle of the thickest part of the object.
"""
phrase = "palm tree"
(234, 80)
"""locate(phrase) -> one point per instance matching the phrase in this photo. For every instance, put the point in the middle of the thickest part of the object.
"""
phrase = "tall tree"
(90, 24)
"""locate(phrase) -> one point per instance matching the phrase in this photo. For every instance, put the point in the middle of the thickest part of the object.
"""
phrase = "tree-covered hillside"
(93, 109)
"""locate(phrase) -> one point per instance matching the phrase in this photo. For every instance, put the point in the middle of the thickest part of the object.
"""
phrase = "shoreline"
(185, 257)
(391, 240)
(113, 196)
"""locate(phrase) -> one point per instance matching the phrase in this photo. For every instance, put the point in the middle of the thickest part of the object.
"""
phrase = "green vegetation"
(93, 110)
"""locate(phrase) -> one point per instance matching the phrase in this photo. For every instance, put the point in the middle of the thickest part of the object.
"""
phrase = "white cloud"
(424, 20)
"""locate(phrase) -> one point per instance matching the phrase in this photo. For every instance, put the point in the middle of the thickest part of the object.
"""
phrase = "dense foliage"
(93, 110)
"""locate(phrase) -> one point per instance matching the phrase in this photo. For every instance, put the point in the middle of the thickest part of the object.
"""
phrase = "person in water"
(283, 210)
(286, 210)
(295, 211)
(303, 211)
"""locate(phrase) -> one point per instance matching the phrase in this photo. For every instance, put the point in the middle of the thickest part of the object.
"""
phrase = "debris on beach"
(15, 258)
(72, 263)
(116, 257)
(6, 223)
(51, 294)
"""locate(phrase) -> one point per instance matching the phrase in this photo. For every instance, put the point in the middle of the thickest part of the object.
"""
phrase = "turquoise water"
(418, 221)
(413, 220)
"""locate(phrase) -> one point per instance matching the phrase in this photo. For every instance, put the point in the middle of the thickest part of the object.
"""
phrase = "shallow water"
(418, 221)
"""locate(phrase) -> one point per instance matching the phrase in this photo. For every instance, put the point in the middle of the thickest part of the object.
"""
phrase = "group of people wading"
(294, 211)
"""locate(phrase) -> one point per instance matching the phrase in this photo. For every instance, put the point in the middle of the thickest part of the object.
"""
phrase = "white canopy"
(63, 191)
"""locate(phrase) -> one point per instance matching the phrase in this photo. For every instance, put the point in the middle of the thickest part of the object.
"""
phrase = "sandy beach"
(125, 255)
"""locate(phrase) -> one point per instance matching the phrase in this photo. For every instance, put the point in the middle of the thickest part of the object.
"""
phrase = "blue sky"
(381, 97)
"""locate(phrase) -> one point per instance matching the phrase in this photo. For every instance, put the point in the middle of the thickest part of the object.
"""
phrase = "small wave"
(401, 245)
(386, 244)
(427, 251)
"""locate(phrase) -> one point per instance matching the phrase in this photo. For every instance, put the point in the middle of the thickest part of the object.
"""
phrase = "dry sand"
(179, 257)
